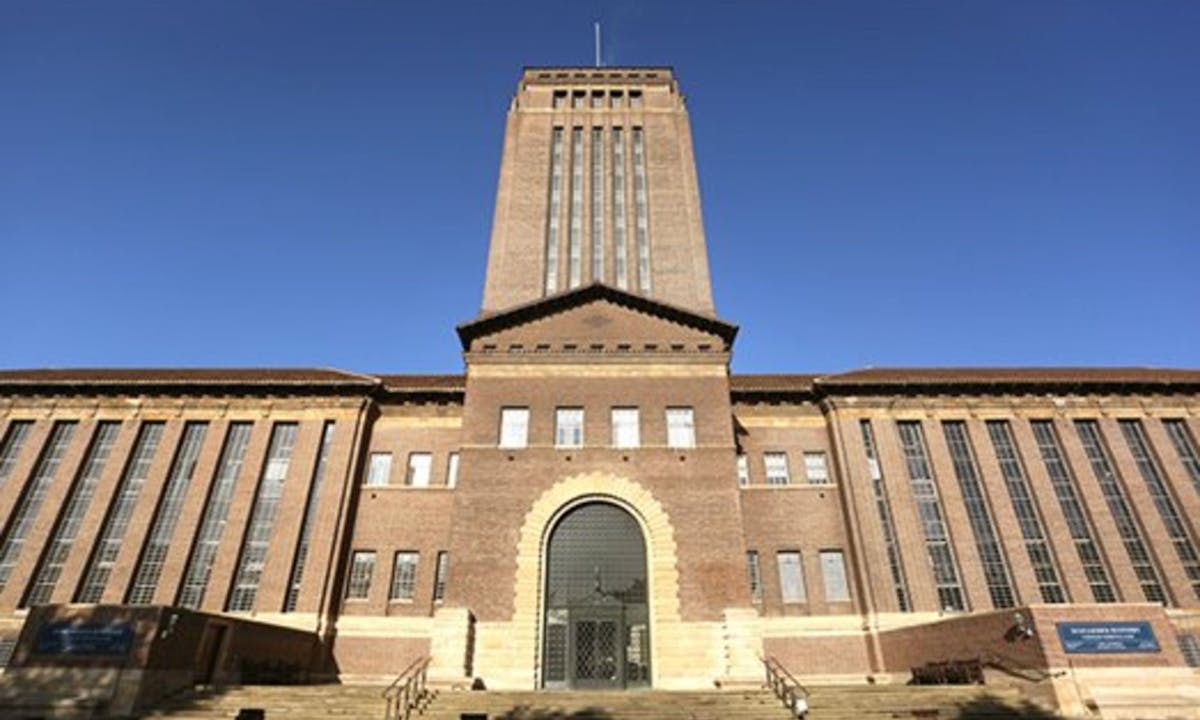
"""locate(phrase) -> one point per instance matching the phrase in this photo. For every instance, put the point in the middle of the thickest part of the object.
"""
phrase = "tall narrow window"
(833, 573)
(379, 473)
(626, 430)
(681, 428)
(635, 98)
(929, 508)
(1177, 430)
(641, 211)
(452, 470)
(620, 261)
(154, 554)
(979, 514)
(45, 577)
(554, 211)
(1028, 518)
(560, 99)
(575, 221)
(791, 577)
(112, 533)
(568, 427)
(598, 204)
(262, 518)
(10, 448)
(597, 99)
(1118, 505)
(743, 470)
(296, 577)
(754, 576)
(815, 469)
(1080, 527)
(884, 508)
(1164, 502)
(362, 567)
(419, 466)
(577, 99)
(216, 510)
(617, 99)
(776, 465)
(21, 520)
(439, 576)
(404, 576)
(514, 427)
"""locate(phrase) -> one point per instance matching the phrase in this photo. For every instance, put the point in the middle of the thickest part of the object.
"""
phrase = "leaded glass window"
(404, 575)
(296, 577)
(929, 509)
(21, 520)
(362, 567)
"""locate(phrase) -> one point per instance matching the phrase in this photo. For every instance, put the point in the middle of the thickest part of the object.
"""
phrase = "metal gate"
(597, 631)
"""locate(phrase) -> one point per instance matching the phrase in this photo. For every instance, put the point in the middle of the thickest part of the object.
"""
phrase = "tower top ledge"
(649, 75)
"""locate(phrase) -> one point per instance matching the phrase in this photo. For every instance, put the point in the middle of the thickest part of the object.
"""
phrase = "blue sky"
(884, 183)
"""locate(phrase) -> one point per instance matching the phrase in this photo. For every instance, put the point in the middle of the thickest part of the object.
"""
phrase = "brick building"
(597, 501)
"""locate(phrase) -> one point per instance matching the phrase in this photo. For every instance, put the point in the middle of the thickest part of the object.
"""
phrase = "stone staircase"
(858, 702)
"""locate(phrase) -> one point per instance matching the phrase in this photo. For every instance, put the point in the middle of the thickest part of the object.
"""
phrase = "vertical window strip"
(620, 261)
(1118, 506)
(597, 204)
(641, 211)
(929, 508)
(112, 533)
(884, 508)
(62, 537)
(439, 577)
(10, 448)
(1028, 519)
(575, 221)
(1164, 503)
(979, 514)
(216, 510)
(754, 577)
(555, 210)
(150, 566)
(1176, 429)
(1065, 489)
(21, 520)
(262, 518)
(296, 576)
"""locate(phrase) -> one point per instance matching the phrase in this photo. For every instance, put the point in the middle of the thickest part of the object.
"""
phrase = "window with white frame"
(626, 432)
(419, 464)
(404, 575)
(776, 464)
(568, 427)
(362, 567)
(743, 470)
(452, 470)
(791, 577)
(681, 428)
(380, 471)
(815, 469)
(514, 427)
(833, 573)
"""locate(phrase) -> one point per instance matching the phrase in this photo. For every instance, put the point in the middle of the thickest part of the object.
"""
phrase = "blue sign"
(64, 638)
(1107, 637)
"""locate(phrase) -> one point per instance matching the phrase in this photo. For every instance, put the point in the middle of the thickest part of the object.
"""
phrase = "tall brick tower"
(598, 185)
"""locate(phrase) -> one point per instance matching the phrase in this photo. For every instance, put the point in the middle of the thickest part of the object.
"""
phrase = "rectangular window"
(380, 471)
(575, 209)
(776, 464)
(791, 577)
(419, 466)
(452, 470)
(929, 510)
(555, 209)
(754, 576)
(577, 99)
(1177, 430)
(597, 204)
(1189, 645)
(10, 449)
(362, 567)
(597, 99)
(514, 427)
(21, 520)
(815, 469)
(884, 508)
(439, 576)
(620, 261)
(833, 572)
(310, 513)
(681, 428)
(568, 427)
(626, 428)
(635, 98)
(743, 470)
(617, 98)
(404, 575)
(641, 211)
(560, 99)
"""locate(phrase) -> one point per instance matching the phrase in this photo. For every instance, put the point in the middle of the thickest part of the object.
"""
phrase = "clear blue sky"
(884, 183)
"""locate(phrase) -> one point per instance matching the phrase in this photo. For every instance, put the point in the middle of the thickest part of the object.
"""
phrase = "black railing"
(1016, 668)
(408, 691)
(788, 689)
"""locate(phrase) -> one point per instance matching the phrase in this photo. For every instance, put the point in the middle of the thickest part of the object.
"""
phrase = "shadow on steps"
(529, 713)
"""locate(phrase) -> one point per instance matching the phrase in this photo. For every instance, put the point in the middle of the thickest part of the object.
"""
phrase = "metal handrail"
(1015, 667)
(407, 692)
(788, 689)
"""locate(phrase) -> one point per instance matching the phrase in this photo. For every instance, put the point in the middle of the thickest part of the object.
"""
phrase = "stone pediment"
(597, 314)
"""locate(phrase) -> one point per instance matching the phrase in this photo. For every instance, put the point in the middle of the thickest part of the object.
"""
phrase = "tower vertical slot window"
(49, 569)
(262, 518)
(452, 470)
(10, 449)
(296, 577)
(1164, 503)
(641, 211)
(929, 508)
(112, 534)
(555, 210)
(441, 570)
(216, 510)
(21, 520)
(743, 470)
(145, 578)
(1118, 505)
(1184, 444)
(754, 577)
(575, 221)
(887, 525)
(1078, 524)
(598, 204)
(620, 261)
(979, 513)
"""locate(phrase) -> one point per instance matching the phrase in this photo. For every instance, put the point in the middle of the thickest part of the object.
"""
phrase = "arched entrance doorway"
(596, 621)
